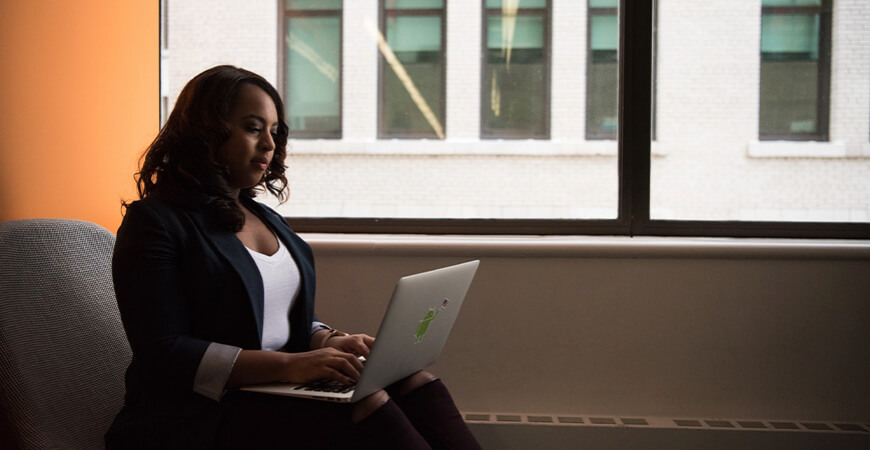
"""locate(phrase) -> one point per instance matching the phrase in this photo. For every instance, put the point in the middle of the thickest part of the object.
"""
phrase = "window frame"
(823, 88)
(284, 14)
(634, 161)
(545, 77)
(383, 13)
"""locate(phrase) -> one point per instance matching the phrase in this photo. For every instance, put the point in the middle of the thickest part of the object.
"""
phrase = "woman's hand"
(339, 365)
(357, 344)
(263, 366)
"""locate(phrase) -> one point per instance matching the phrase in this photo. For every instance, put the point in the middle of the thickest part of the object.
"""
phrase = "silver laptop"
(412, 334)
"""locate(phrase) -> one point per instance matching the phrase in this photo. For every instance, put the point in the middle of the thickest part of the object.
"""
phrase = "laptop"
(412, 334)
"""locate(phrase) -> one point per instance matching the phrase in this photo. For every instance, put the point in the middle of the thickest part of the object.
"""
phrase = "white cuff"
(317, 326)
(214, 370)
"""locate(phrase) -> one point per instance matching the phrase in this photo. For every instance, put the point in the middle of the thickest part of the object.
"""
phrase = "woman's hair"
(180, 165)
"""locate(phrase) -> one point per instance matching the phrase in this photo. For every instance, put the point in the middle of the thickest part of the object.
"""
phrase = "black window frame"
(823, 88)
(284, 13)
(634, 155)
(383, 13)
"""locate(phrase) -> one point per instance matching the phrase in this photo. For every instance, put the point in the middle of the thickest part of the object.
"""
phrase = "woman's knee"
(368, 405)
(414, 382)
(372, 403)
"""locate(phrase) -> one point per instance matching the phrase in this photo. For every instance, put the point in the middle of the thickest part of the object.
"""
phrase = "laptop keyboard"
(328, 385)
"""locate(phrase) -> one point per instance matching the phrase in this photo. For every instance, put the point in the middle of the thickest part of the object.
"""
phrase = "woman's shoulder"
(153, 212)
(150, 207)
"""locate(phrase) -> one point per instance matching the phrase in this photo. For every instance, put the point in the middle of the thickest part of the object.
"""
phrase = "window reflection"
(515, 84)
(312, 77)
(412, 68)
(794, 69)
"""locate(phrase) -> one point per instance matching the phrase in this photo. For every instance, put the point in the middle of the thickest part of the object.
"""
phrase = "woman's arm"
(149, 286)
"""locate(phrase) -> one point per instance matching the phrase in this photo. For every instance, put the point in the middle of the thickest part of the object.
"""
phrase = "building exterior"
(507, 108)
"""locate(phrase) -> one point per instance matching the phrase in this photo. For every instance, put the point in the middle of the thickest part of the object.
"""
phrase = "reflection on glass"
(790, 66)
(412, 93)
(515, 75)
(414, 4)
(602, 74)
(312, 4)
(313, 76)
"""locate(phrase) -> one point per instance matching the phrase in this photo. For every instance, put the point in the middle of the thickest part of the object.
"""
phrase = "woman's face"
(253, 124)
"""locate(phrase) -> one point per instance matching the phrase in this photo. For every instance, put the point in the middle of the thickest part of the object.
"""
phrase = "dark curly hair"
(180, 165)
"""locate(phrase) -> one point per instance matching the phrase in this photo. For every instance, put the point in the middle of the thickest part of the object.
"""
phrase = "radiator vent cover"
(665, 422)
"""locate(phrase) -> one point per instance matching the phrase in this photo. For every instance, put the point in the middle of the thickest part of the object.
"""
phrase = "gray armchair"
(63, 350)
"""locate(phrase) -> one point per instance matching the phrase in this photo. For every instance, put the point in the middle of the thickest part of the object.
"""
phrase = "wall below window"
(79, 99)
(701, 329)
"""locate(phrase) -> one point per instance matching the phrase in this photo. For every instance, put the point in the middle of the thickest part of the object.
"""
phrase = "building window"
(795, 68)
(412, 70)
(516, 69)
(602, 69)
(312, 67)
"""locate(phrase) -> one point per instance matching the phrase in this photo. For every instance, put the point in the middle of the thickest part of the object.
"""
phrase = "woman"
(216, 292)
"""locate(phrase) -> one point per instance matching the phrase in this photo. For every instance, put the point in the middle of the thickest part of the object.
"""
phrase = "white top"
(281, 283)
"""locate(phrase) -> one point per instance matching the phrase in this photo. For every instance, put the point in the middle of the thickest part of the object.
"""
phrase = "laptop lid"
(412, 334)
(415, 327)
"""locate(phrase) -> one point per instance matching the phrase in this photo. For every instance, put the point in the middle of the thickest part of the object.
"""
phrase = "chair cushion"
(63, 350)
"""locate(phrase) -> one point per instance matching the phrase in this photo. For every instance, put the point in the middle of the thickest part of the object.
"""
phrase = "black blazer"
(181, 283)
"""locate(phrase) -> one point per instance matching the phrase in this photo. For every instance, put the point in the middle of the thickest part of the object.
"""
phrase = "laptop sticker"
(423, 326)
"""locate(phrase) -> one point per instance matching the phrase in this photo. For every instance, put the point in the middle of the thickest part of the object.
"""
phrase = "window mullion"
(635, 109)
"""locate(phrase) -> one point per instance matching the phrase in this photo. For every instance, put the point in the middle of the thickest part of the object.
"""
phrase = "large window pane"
(313, 70)
(553, 155)
(716, 96)
(412, 83)
(515, 77)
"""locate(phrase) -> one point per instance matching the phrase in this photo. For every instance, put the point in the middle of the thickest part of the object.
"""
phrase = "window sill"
(584, 247)
(808, 149)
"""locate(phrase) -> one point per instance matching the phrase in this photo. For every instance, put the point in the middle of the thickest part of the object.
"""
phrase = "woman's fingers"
(350, 365)
(328, 362)
(342, 364)
(358, 344)
(368, 340)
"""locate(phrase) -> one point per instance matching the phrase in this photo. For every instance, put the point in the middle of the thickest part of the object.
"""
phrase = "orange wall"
(79, 102)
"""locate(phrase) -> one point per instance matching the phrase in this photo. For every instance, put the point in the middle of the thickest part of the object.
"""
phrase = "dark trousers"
(425, 418)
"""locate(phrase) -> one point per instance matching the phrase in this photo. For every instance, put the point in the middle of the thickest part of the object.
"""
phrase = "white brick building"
(708, 162)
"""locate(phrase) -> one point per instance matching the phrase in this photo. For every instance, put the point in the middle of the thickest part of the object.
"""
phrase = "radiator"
(512, 431)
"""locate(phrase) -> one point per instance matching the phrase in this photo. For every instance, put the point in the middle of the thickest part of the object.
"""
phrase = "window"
(602, 69)
(312, 67)
(516, 78)
(548, 162)
(795, 63)
(412, 69)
